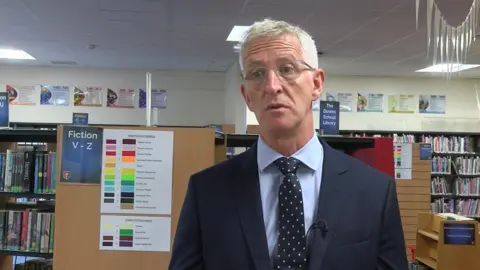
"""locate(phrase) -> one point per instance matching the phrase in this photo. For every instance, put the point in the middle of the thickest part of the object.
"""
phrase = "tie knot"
(287, 165)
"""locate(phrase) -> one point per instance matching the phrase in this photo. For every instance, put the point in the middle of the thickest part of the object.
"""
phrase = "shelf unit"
(18, 137)
(444, 243)
(447, 201)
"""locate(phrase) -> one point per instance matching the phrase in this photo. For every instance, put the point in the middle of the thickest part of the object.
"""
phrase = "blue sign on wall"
(459, 234)
(4, 110)
(329, 117)
(425, 151)
(82, 155)
(80, 119)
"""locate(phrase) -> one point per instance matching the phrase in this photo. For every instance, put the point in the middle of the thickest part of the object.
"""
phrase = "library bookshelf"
(26, 196)
(455, 173)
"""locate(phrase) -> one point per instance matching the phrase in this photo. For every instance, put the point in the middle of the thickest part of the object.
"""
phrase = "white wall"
(462, 104)
(193, 98)
(235, 109)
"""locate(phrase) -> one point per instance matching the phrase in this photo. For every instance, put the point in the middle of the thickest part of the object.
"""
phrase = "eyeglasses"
(286, 70)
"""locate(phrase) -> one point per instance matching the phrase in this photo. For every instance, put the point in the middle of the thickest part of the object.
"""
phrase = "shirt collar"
(311, 154)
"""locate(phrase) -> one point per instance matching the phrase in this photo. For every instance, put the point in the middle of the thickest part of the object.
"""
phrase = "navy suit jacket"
(221, 222)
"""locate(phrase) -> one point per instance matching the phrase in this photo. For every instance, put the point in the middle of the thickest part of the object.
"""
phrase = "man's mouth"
(276, 106)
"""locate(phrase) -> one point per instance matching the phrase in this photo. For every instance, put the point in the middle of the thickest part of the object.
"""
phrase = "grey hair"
(272, 28)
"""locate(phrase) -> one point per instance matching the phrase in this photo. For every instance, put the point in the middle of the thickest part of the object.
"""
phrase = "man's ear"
(245, 96)
(318, 82)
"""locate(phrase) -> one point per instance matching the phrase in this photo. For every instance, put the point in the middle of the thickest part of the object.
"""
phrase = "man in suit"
(291, 201)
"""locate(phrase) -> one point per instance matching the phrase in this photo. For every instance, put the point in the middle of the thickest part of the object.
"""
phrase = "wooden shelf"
(427, 261)
(432, 235)
(26, 254)
(439, 245)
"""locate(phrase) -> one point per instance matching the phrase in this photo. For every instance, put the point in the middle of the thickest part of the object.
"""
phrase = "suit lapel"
(249, 203)
(333, 168)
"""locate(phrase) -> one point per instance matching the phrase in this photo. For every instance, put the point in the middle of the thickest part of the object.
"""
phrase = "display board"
(85, 238)
(414, 195)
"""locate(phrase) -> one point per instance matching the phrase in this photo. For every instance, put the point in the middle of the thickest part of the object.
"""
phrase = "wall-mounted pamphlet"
(159, 98)
(369, 102)
(121, 98)
(435, 104)
(329, 117)
(346, 100)
(56, 95)
(402, 157)
(137, 172)
(135, 233)
(22, 94)
(4, 110)
(88, 96)
(81, 155)
(401, 104)
(80, 119)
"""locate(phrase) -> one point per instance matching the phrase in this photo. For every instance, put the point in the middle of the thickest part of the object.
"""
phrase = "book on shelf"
(30, 230)
(467, 165)
(468, 207)
(464, 207)
(28, 171)
(36, 264)
(456, 186)
(441, 165)
(450, 144)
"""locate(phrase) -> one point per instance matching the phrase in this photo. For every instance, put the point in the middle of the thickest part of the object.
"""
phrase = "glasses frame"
(309, 68)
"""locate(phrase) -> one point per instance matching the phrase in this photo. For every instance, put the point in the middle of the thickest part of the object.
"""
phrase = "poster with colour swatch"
(121, 98)
(159, 98)
(434, 104)
(88, 96)
(135, 233)
(22, 94)
(369, 102)
(56, 95)
(137, 171)
(402, 156)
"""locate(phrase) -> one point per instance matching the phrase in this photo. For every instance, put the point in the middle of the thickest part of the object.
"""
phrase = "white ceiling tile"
(367, 37)
(291, 12)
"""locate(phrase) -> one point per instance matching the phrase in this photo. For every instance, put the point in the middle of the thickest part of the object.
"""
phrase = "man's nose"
(273, 82)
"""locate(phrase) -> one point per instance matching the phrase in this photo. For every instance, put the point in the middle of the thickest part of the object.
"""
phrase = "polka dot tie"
(291, 247)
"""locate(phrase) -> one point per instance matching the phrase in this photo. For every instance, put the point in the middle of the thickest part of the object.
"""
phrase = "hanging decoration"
(449, 44)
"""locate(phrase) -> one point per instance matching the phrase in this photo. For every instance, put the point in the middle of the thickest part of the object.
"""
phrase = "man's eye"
(257, 74)
(286, 69)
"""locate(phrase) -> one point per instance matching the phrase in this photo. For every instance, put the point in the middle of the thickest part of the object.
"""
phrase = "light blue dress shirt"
(310, 177)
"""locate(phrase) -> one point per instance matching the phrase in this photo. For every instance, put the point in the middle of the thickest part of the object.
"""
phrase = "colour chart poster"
(135, 233)
(137, 169)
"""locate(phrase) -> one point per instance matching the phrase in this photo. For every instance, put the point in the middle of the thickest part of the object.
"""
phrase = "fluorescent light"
(236, 48)
(15, 54)
(454, 67)
(237, 33)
